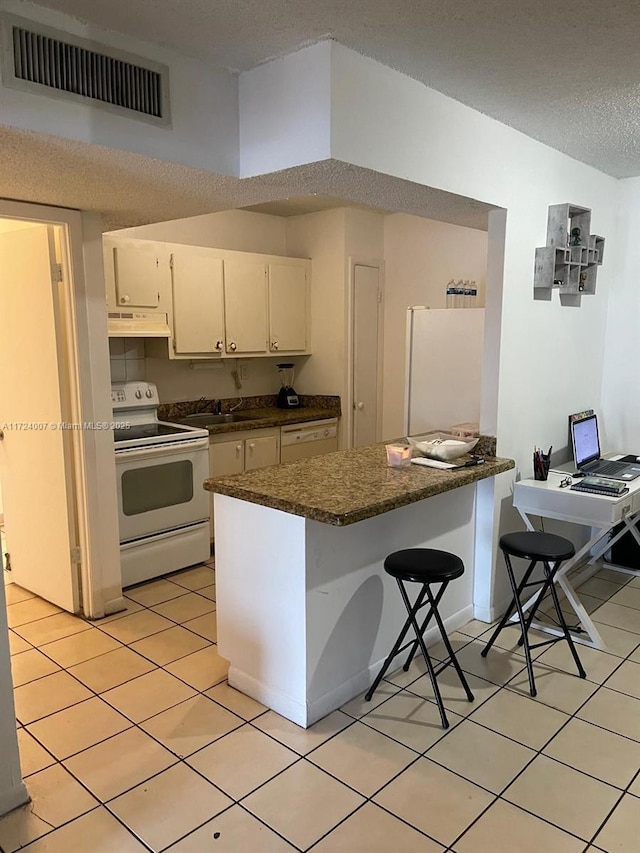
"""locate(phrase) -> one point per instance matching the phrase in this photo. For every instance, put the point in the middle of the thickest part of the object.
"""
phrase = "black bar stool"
(425, 566)
(550, 550)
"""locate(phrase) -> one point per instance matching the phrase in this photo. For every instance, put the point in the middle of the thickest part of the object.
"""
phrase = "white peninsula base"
(306, 613)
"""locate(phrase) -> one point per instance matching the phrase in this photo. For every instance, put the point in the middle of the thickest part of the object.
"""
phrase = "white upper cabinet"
(136, 275)
(288, 308)
(245, 307)
(198, 301)
(212, 302)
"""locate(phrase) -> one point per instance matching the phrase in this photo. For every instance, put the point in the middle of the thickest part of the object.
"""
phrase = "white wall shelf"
(570, 260)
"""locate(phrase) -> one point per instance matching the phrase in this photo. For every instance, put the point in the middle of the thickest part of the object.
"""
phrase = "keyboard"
(604, 468)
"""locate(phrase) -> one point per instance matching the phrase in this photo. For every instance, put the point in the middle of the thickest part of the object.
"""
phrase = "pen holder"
(541, 462)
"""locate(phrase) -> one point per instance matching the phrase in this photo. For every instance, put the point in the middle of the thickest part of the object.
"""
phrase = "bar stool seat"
(424, 566)
(550, 551)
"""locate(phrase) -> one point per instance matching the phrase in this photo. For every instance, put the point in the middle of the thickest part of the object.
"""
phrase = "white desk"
(547, 499)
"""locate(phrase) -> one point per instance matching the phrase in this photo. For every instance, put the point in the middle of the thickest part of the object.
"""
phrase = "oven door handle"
(127, 454)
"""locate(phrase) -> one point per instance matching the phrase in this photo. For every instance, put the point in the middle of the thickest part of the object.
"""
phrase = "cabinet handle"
(233, 347)
(238, 449)
(251, 446)
(219, 345)
(124, 299)
(274, 344)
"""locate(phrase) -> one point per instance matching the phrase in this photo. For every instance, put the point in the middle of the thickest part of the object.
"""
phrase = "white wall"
(204, 105)
(177, 381)
(285, 111)
(621, 376)
(420, 257)
(321, 237)
(238, 230)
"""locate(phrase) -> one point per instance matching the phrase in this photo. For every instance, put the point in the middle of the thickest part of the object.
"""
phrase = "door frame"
(348, 412)
(92, 462)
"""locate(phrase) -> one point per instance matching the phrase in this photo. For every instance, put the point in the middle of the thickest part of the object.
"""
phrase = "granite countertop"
(257, 412)
(348, 486)
(270, 417)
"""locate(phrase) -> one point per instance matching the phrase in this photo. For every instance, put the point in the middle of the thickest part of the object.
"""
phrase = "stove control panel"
(134, 395)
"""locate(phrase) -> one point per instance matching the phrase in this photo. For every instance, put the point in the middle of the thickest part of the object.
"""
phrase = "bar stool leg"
(550, 574)
(434, 682)
(523, 626)
(398, 643)
(508, 611)
(448, 646)
(433, 604)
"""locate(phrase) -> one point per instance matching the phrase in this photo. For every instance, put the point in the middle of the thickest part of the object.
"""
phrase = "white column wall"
(285, 112)
(621, 376)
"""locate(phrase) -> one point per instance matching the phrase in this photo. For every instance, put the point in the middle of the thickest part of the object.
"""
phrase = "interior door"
(366, 307)
(34, 452)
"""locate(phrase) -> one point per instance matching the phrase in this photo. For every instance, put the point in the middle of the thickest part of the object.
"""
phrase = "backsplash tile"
(126, 358)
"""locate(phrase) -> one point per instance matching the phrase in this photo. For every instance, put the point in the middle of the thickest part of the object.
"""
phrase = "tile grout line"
(353, 720)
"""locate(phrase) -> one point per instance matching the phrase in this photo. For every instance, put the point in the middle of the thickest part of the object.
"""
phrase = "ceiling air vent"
(37, 58)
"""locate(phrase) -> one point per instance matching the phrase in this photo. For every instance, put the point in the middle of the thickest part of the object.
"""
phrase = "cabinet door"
(245, 307)
(225, 458)
(198, 306)
(260, 452)
(137, 276)
(287, 308)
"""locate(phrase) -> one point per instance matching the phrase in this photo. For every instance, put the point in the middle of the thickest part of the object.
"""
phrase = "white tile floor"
(132, 740)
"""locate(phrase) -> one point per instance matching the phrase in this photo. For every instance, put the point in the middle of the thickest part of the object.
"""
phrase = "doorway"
(36, 445)
(70, 253)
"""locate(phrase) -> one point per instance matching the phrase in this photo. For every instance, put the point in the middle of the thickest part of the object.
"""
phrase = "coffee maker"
(287, 397)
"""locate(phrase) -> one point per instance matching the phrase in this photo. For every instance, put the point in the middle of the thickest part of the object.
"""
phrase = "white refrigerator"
(443, 368)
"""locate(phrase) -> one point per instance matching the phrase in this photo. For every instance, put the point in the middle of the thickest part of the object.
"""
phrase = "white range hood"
(133, 324)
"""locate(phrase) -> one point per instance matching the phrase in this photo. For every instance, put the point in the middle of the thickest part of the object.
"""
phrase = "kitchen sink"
(206, 419)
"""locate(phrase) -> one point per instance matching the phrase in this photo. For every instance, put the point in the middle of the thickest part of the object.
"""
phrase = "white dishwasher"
(310, 439)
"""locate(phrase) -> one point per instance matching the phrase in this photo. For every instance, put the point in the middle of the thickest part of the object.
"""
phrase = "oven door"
(160, 487)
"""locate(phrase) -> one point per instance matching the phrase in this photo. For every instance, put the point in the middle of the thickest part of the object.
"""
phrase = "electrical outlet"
(244, 371)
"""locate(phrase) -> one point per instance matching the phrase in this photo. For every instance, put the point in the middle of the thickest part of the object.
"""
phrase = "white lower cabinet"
(245, 451)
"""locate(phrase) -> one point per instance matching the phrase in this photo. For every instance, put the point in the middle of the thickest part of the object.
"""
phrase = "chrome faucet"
(237, 405)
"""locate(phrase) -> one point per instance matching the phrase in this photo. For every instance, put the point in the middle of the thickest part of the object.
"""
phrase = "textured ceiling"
(566, 73)
(128, 189)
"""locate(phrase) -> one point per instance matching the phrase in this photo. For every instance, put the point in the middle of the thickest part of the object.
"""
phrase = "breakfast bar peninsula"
(306, 613)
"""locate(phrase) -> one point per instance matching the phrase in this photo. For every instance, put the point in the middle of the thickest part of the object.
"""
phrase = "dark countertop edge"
(465, 477)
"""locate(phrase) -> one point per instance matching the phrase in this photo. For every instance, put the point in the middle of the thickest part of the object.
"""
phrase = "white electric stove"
(163, 511)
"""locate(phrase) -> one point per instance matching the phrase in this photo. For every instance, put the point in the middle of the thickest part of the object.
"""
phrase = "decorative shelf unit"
(570, 260)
